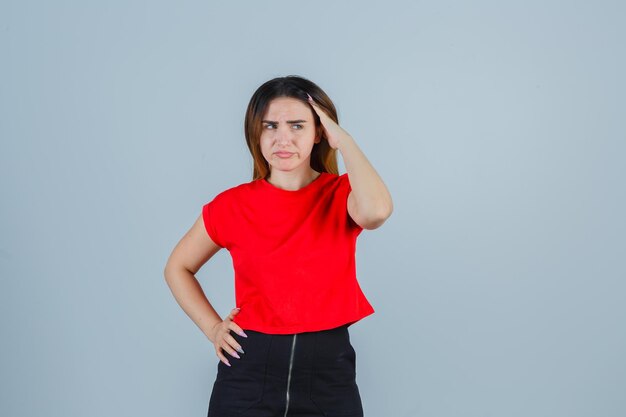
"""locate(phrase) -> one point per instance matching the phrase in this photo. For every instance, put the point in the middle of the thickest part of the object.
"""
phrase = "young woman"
(291, 232)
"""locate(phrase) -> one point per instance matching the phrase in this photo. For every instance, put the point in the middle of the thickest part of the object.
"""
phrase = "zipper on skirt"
(293, 345)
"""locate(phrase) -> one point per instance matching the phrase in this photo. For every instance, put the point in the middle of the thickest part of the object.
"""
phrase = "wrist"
(210, 334)
(344, 143)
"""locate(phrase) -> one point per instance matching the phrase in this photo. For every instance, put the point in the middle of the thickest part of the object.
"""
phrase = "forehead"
(287, 107)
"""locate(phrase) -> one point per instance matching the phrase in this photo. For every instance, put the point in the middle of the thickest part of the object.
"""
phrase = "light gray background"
(498, 127)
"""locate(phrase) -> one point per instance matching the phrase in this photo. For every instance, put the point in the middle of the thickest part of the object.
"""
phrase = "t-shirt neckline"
(291, 192)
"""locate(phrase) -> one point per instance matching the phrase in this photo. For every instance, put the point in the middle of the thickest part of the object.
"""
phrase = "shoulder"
(338, 181)
(340, 178)
(236, 191)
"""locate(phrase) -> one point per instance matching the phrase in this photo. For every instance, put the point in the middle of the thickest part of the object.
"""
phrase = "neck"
(291, 180)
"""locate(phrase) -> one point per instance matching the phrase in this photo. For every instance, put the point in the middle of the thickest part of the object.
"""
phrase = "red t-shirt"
(293, 254)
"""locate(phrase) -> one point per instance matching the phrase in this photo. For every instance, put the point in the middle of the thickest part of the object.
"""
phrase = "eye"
(299, 126)
(270, 125)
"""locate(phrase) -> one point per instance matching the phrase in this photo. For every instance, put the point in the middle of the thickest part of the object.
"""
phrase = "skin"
(369, 204)
(278, 134)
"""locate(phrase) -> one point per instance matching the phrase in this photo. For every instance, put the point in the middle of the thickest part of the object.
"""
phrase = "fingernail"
(240, 350)
(227, 363)
(242, 334)
(236, 356)
(238, 308)
(309, 96)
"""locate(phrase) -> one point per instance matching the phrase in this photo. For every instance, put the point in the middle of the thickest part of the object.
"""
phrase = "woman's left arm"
(369, 202)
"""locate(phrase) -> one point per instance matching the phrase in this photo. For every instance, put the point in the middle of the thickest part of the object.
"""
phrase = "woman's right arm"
(192, 251)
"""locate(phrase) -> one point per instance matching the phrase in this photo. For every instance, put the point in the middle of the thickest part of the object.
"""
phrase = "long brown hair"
(323, 157)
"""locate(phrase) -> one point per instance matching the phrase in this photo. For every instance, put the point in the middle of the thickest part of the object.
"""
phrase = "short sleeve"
(210, 216)
(345, 186)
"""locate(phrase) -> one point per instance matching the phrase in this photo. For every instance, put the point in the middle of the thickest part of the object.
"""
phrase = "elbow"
(169, 272)
(386, 212)
(378, 219)
(175, 271)
(166, 273)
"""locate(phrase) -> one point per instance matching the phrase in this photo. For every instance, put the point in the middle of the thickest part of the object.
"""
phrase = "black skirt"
(307, 374)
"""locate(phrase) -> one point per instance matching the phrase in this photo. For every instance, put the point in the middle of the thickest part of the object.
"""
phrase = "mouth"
(283, 154)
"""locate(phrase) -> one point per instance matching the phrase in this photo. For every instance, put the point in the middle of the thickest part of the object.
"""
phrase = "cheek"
(307, 135)
(264, 143)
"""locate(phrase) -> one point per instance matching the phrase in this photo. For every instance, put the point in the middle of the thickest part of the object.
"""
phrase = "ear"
(318, 134)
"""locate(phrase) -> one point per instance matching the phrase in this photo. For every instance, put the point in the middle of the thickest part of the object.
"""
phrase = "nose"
(282, 135)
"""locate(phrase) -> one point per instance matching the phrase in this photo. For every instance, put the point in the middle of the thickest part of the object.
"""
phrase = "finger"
(317, 109)
(234, 312)
(312, 102)
(233, 343)
(234, 327)
(222, 357)
(320, 112)
(225, 346)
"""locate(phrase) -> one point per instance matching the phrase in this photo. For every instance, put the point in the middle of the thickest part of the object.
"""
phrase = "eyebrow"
(288, 121)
